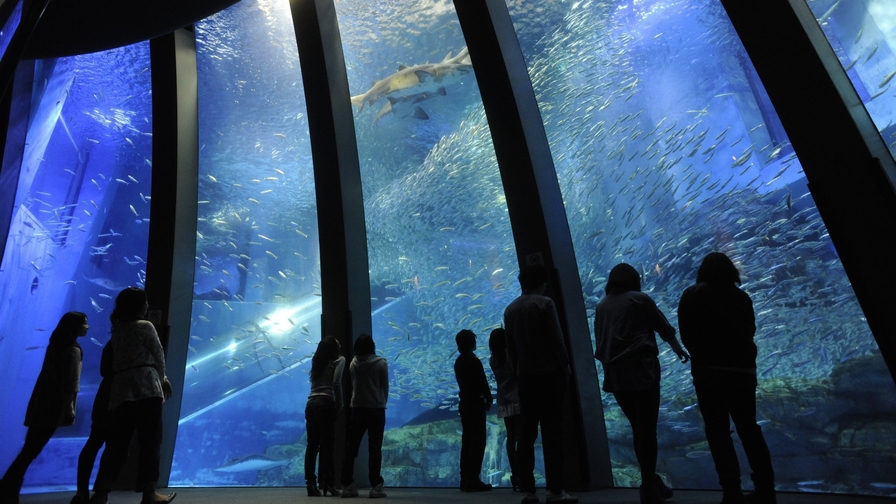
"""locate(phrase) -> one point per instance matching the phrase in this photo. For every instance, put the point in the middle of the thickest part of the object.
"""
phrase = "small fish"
(95, 305)
(96, 342)
(697, 454)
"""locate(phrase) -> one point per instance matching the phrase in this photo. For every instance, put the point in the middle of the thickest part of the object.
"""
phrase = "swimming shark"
(255, 462)
(428, 78)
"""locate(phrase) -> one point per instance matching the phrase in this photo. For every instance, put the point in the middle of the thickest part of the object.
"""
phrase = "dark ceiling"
(71, 27)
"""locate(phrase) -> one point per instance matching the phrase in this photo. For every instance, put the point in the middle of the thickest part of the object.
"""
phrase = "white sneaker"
(561, 497)
(377, 492)
(350, 490)
(530, 498)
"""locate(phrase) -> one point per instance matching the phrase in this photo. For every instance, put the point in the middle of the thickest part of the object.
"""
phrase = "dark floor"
(436, 496)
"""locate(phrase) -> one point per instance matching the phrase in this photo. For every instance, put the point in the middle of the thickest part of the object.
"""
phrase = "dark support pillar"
(345, 283)
(849, 169)
(538, 218)
(172, 233)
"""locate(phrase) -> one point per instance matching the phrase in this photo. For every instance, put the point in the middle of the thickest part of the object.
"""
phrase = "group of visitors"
(370, 391)
(129, 400)
(717, 325)
(529, 360)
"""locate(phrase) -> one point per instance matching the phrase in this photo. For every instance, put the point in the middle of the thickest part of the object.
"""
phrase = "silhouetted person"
(508, 397)
(625, 325)
(475, 400)
(139, 388)
(99, 428)
(324, 403)
(370, 391)
(53, 401)
(717, 326)
(537, 352)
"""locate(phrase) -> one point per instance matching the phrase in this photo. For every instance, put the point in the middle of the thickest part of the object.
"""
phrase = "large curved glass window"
(667, 148)
(863, 35)
(440, 246)
(256, 302)
(78, 234)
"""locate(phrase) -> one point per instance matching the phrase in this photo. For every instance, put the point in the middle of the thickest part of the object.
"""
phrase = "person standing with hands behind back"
(717, 325)
(625, 323)
(53, 401)
(475, 400)
(370, 391)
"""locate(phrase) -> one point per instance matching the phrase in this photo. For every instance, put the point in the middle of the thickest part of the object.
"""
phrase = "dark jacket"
(717, 326)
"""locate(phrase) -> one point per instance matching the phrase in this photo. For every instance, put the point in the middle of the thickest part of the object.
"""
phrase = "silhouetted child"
(508, 396)
(99, 428)
(53, 401)
(475, 401)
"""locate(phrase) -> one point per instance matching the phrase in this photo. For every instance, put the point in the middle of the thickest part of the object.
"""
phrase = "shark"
(255, 462)
(398, 106)
(422, 80)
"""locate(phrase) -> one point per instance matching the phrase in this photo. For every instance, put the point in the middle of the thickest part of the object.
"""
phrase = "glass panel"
(78, 233)
(667, 148)
(9, 27)
(256, 305)
(863, 35)
(439, 240)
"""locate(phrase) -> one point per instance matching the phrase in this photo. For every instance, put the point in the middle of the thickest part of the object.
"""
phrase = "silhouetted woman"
(717, 326)
(324, 403)
(625, 321)
(139, 388)
(508, 397)
(53, 401)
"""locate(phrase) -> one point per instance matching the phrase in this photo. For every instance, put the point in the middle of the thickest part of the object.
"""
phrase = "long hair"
(717, 269)
(327, 351)
(66, 332)
(129, 305)
(623, 278)
(497, 343)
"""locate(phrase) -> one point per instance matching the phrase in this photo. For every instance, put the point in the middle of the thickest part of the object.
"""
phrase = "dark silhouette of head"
(497, 343)
(364, 345)
(717, 269)
(466, 341)
(129, 305)
(623, 278)
(327, 351)
(532, 277)
(68, 328)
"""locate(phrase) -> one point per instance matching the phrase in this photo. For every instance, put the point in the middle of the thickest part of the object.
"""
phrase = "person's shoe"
(661, 488)
(156, 498)
(761, 498)
(529, 498)
(734, 497)
(476, 486)
(376, 492)
(561, 497)
(99, 498)
(80, 498)
(329, 488)
(350, 490)
(649, 494)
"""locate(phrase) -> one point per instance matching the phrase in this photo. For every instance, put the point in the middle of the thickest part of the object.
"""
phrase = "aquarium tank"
(863, 36)
(79, 230)
(666, 147)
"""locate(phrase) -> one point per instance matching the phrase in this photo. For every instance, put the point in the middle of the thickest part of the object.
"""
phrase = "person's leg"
(356, 433)
(376, 427)
(466, 445)
(327, 442)
(313, 429)
(149, 437)
(36, 438)
(96, 439)
(525, 455)
(122, 424)
(711, 397)
(511, 423)
(743, 413)
(552, 391)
